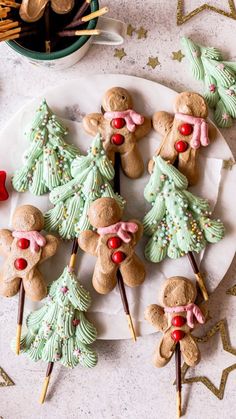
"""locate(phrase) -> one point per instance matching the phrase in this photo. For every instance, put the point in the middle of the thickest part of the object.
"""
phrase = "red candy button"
(118, 257)
(3, 191)
(20, 264)
(186, 129)
(181, 146)
(118, 123)
(117, 139)
(178, 321)
(177, 335)
(114, 242)
(23, 243)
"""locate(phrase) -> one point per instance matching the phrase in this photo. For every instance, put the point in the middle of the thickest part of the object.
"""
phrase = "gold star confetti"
(6, 380)
(182, 18)
(177, 55)
(120, 53)
(228, 164)
(232, 291)
(220, 327)
(130, 30)
(142, 33)
(153, 62)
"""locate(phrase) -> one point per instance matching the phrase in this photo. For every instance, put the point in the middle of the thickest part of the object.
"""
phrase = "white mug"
(112, 33)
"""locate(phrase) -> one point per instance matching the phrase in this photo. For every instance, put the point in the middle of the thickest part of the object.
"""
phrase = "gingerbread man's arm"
(144, 129)
(162, 122)
(155, 315)
(92, 123)
(50, 248)
(137, 236)
(88, 241)
(6, 240)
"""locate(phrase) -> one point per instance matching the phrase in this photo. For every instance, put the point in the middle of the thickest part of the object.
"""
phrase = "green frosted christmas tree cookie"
(59, 331)
(92, 175)
(179, 222)
(219, 77)
(47, 161)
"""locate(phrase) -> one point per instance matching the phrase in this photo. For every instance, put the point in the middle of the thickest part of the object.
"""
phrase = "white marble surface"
(124, 384)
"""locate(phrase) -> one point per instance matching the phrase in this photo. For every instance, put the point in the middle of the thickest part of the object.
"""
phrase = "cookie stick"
(119, 276)
(198, 275)
(85, 5)
(178, 381)
(20, 316)
(74, 251)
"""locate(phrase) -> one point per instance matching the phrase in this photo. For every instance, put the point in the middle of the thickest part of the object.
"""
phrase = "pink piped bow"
(122, 230)
(200, 129)
(35, 238)
(131, 118)
(193, 311)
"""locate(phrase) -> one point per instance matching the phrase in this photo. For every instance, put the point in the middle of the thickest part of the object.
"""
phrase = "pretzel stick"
(72, 261)
(8, 26)
(178, 380)
(87, 18)
(21, 304)
(9, 3)
(119, 276)
(198, 275)
(80, 33)
(17, 36)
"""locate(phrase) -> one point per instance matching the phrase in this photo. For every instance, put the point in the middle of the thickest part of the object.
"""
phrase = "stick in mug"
(17, 36)
(88, 32)
(82, 10)
(74, 251)
(87, 18)
(21, 304)
(9, 3)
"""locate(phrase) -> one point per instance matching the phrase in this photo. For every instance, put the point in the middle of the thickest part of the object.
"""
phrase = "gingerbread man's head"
(104, 212)
(117, 99)
(178, 291)
(191, 103)
(27, 218)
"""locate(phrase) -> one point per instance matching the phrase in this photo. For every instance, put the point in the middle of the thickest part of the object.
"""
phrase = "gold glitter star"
(142, 33)
(177, 55)
(232, 291)
(153, 62)
(228, 164)
(120, 53)
(7, 381)
(130, 30)
(181, 18)
(220, 327)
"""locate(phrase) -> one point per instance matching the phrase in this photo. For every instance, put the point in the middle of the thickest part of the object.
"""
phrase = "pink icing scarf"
(36, 239)
(192, 311)
(200, 129)
(122, 230)
(131, 118)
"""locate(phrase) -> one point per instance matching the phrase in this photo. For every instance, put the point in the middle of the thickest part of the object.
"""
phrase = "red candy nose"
(177, 335)
(3, 191)
(23, 243)
(186, 129)
(118, 123)
(178, 321)
(117, 139)
(118, 257)
(181, 146)
(114, 242)
(20, 264)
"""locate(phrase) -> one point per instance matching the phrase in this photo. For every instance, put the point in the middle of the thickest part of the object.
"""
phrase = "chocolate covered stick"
(87, 18)
(198, 276)
(82, 9)
(71, 265)
(20, 316)
(119, 276)
(47, 28)
(178, 380)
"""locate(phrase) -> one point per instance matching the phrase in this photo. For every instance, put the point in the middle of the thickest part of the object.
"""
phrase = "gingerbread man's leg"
(164, 351)
(9, 289)
(133, 271)
(132, 163)
(190, 350)
(34, 285)
(104, 282)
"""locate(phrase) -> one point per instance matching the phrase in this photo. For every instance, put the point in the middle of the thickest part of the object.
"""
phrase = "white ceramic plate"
(73, 100)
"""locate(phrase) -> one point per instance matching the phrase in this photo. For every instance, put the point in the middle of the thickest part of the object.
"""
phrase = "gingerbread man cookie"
(120, 127)
(176, 320)
(113, 244)
(184, 133)
(25, 248)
